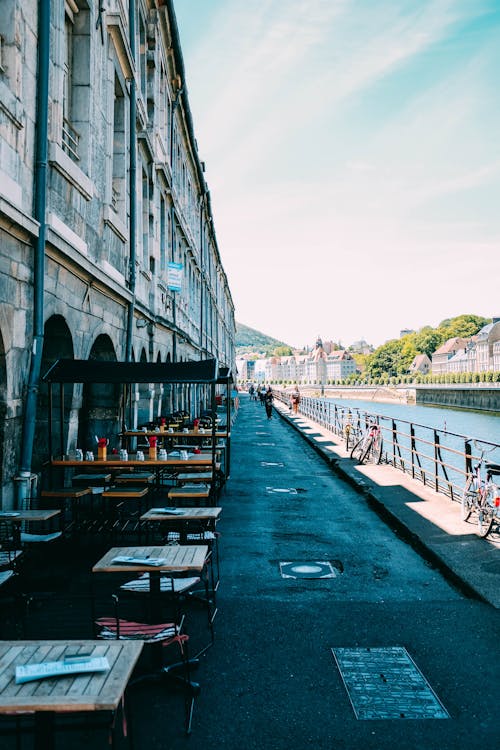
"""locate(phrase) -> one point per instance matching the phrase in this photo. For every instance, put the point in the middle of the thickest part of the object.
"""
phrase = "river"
(472, 424)
(450, 428)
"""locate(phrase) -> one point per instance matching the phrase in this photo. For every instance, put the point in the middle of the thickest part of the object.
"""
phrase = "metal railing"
(70, 140)
(437, 458)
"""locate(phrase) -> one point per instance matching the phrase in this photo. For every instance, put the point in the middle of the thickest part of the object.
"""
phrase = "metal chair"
(161, 635)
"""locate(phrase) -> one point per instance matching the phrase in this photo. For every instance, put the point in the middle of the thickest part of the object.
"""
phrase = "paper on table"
(42, 670)
(130, 560)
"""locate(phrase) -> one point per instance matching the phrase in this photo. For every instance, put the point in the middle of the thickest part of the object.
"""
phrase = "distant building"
(445, 352)
(405, 332)
(421, 363)
(481, 353)
(361, 347)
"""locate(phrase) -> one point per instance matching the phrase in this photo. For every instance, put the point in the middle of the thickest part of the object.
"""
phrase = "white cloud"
(321, 199)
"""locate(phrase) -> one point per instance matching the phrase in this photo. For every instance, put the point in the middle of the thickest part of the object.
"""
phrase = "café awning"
(204, 371)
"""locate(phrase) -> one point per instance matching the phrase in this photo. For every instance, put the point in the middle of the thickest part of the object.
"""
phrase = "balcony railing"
(70, 140)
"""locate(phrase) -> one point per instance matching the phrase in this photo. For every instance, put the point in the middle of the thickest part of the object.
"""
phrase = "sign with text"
(174, 276)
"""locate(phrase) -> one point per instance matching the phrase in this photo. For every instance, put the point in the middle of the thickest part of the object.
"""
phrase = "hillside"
(249, 340)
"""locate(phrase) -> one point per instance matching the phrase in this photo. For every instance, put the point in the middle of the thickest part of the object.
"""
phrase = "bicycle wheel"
(376, 449)
(469, 498)
(358, 449)
(486, 514)
(367, 452)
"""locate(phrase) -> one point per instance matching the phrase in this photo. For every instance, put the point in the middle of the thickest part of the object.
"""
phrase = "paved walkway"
(270, 681)
(429, 520)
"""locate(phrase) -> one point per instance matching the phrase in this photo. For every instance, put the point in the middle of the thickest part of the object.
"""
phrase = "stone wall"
(483, 399)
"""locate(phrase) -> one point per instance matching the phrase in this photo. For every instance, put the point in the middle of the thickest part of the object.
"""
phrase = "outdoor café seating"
(164, 634)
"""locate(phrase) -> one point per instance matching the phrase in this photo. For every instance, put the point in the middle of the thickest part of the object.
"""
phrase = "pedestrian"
(268, 402)
(251, 391)
(295, 399)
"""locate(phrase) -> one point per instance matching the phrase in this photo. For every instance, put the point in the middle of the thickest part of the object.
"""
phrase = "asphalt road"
(271, 682)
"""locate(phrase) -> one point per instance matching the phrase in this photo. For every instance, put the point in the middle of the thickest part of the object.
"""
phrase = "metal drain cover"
(271, 463)
(385, 683)
(284, 490)
(272, 445)
(316, 569)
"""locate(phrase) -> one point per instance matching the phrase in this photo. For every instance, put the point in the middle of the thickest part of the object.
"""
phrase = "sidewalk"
(430, 521)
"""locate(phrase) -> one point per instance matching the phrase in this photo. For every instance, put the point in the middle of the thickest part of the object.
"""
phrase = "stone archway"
(57, 344)
(100, 408)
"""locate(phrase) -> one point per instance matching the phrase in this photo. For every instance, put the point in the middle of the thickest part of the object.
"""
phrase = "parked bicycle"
(369, 446)
(481, 495)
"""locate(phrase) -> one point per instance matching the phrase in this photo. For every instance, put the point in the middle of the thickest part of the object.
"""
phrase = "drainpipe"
(175, 104)
(202, 275)
(132, 189)
(39, 207)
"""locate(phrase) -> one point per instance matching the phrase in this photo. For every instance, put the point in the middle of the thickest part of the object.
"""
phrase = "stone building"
(107, 242)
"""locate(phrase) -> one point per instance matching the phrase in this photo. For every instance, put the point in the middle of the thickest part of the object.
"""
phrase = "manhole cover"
(316, 569)
(385, 683)
(271, 463)
(283, 490)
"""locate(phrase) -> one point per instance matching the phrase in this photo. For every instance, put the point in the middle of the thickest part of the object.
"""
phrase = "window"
(142, 55)
(119, 166)
(145, 217)
(76, 80)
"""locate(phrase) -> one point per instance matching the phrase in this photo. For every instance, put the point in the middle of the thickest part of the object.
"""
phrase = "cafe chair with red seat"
(163, 634)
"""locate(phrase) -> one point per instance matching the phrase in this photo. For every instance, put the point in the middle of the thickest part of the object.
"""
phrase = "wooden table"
(183, 514)
(18, 516)
(178, 559)
(207, 434)
(99, 691)
(201, 460)
(171, 465)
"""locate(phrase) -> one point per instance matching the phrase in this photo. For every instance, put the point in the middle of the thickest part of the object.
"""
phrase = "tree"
(282, 351)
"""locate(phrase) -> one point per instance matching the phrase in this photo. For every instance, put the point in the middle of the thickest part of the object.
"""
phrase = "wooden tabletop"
(175, 434)
(66, 492)
(201, 459)
(124, 491)
(197, 491)
(183, 514)
(189, 558)
(17, 516)
(97, 691)
(135, 476)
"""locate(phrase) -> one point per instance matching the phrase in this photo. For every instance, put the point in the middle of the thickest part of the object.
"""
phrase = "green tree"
(463, 326)
(282, 351)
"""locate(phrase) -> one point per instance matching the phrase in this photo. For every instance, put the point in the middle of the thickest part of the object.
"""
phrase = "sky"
(352, 152)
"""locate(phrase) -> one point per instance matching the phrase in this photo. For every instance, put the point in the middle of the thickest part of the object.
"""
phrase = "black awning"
(225, 375)
(95, 371)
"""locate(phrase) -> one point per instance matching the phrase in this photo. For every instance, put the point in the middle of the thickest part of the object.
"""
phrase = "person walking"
(268, 402)
(295, 399)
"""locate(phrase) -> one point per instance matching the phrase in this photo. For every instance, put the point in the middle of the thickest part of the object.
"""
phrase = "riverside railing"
(437, 458)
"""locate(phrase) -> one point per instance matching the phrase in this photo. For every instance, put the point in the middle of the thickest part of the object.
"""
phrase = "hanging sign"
(174, 277)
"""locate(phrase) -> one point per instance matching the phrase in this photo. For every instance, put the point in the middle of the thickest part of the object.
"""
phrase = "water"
(481, 426)
(451, 427)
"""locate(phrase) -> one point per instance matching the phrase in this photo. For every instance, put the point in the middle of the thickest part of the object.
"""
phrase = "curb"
(398, 526)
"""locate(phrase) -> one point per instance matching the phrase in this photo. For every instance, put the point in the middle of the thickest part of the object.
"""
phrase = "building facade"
(107, 241)
(481, 353)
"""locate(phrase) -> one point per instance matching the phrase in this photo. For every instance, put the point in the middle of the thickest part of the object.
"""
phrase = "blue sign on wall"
(174, 276)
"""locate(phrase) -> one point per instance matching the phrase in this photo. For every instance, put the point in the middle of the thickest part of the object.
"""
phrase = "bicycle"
(369, 446)
(481, 495)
